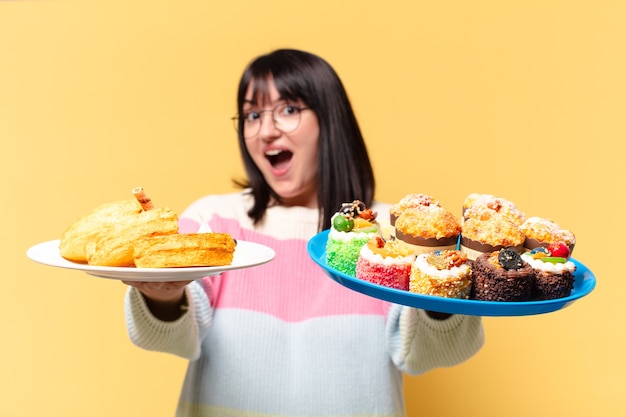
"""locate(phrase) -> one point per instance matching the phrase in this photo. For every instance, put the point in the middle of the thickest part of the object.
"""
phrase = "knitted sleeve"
(418, 343)
(181, 337)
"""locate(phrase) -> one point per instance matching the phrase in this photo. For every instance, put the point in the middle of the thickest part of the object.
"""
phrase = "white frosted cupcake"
(445, 273)
(554, 276)
(386, 263)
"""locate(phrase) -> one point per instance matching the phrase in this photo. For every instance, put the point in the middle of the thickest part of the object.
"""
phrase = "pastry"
(184, 250)
(502, 276)
(83, 230)
(410, 202)
(489, 235)
(113, 244)
(554, 272)
(428, 229)
(352, 226)
(386, 263)
(483, 206)
(539, 231)
(445, 273)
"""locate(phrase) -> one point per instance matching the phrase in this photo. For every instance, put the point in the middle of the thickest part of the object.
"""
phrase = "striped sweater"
(283, 339)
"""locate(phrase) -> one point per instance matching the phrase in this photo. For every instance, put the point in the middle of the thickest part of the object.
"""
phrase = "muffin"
(483, 206)
(475, 198)
(352, 226)
(539, 231)
(428, 229)
(445, 273)
(410, 202)
(502, 276)
(490, 235)
(386, 263)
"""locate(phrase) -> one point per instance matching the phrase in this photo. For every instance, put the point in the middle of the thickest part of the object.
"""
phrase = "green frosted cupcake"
(351, 228)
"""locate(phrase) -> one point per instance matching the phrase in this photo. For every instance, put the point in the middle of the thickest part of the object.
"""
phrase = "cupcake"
(490, 235)
(445, 273)
(386, 263)
(476, 198)
(554, 272)
(539, 231)
(502, 276)
(352, 226)
(410, 202)
(428, 229)
(483, 206)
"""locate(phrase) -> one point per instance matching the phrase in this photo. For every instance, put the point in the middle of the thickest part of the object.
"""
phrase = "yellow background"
(523, 99)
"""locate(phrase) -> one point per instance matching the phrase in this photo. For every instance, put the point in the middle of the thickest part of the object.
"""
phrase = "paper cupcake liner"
(530, 244)
(473, 248)
(424, 245)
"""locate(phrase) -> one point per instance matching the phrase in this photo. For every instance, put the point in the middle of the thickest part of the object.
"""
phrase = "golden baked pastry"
(135, 233)
(75, 238)
(113, 245)
(432, 222)
(483, 206)
(411, 202)
(497, 230)
(180, 250)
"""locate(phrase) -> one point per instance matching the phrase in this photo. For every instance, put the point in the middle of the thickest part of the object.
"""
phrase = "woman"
(282, 339)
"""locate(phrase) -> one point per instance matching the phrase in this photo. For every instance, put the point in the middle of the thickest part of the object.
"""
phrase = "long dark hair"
(344, 169)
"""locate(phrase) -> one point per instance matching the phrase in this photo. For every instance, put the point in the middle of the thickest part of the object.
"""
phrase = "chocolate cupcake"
(554, 276)
(502, 276)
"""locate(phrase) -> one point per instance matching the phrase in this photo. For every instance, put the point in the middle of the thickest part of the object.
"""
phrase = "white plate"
(247, 254)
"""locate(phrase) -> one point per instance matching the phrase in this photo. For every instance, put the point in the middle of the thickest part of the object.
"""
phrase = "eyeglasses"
(286, 118)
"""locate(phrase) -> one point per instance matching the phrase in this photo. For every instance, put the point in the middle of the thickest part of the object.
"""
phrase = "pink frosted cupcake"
(385, 263)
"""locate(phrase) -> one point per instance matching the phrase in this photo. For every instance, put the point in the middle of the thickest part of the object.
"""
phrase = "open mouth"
(278, 158)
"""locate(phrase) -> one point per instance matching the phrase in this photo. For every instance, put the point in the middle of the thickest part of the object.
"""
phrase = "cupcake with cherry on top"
(554, 272)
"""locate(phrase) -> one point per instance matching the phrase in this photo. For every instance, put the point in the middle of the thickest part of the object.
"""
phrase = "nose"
(268, 130)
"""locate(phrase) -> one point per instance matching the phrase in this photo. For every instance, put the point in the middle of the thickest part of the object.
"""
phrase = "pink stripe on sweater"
(291, 287)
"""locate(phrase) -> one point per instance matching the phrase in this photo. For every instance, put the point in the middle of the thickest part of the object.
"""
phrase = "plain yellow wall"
(522, 99)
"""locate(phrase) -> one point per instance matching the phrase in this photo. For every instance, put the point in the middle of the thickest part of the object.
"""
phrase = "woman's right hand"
(166, 300)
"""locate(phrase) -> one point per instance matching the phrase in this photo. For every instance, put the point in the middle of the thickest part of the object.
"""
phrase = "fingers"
(164, 290)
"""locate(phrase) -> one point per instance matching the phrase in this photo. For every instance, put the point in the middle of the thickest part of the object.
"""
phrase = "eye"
(251, 117)
(288, 110)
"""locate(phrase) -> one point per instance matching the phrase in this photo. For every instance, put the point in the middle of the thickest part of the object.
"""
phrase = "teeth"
(273, 152)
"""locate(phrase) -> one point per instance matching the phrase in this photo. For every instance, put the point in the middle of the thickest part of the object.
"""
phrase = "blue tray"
(584, 283)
